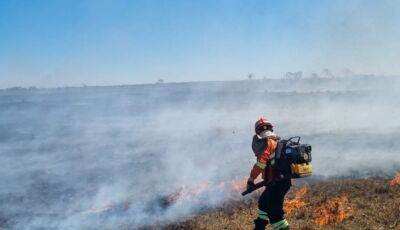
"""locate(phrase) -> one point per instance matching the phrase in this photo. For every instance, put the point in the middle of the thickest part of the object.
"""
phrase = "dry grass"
(376, 206)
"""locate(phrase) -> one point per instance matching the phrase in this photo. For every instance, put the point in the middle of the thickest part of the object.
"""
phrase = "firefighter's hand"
(250, 185)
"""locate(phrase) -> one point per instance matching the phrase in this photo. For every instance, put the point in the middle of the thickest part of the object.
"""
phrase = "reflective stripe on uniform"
(272, 156)
(280, 224)
(260, 165)
(261, 212)
(262, 215)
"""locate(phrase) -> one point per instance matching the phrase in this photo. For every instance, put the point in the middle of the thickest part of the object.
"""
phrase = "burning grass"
(192, 193)
(395, 181)
(333, 211)
(189, 194)
(296, 203)
(370, 204)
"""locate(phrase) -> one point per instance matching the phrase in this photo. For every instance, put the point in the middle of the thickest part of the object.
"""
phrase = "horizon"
(73, 43)
(309, 77)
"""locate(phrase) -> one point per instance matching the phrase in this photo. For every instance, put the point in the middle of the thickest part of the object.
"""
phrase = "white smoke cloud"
(69, 153)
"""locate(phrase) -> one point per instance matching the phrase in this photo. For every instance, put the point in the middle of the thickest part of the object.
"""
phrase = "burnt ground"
(375, 205)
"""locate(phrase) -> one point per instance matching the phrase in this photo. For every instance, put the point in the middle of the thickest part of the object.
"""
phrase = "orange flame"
(395, 181)
(333, 211)
(291, 205)
(238, 185)
(189, 193)
(185, 193)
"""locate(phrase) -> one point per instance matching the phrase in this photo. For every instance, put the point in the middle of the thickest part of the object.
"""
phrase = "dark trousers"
(271, 200)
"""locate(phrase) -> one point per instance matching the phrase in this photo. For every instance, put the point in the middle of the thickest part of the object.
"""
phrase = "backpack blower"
(291, 161)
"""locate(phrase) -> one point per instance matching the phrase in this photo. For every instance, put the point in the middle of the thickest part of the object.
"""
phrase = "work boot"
(260, 224)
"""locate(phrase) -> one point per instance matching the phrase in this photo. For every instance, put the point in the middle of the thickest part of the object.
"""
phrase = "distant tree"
(250, 76)
(347, 72)
(327, 73)
(314, 75)
(160, 81)
(16, 88)
(288, 75)
(294, 75)
(298, 75)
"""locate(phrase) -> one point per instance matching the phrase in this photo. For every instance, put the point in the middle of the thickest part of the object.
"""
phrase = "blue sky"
(94, 42)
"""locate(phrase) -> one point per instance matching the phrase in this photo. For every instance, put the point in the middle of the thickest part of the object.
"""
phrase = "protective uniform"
(270, 203)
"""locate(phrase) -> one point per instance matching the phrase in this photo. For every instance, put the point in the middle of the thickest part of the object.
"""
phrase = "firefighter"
(270, 203)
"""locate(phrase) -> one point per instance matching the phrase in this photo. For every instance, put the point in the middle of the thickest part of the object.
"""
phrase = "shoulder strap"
(278, 151)
(259, 145)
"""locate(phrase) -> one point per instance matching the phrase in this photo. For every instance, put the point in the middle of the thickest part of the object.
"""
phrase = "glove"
(250, 185)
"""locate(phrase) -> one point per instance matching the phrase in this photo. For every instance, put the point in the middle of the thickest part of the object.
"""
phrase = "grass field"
(366, 204)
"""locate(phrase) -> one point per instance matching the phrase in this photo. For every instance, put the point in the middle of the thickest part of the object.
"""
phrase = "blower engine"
(292, 159)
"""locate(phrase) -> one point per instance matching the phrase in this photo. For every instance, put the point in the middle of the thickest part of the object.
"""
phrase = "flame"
(191, 193)
(184, 193)
(187, 193)
(291, 205)
(238, 185)
(333, 211)
(395, 181)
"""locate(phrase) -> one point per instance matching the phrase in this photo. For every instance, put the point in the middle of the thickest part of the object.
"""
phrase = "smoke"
(102, 158)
